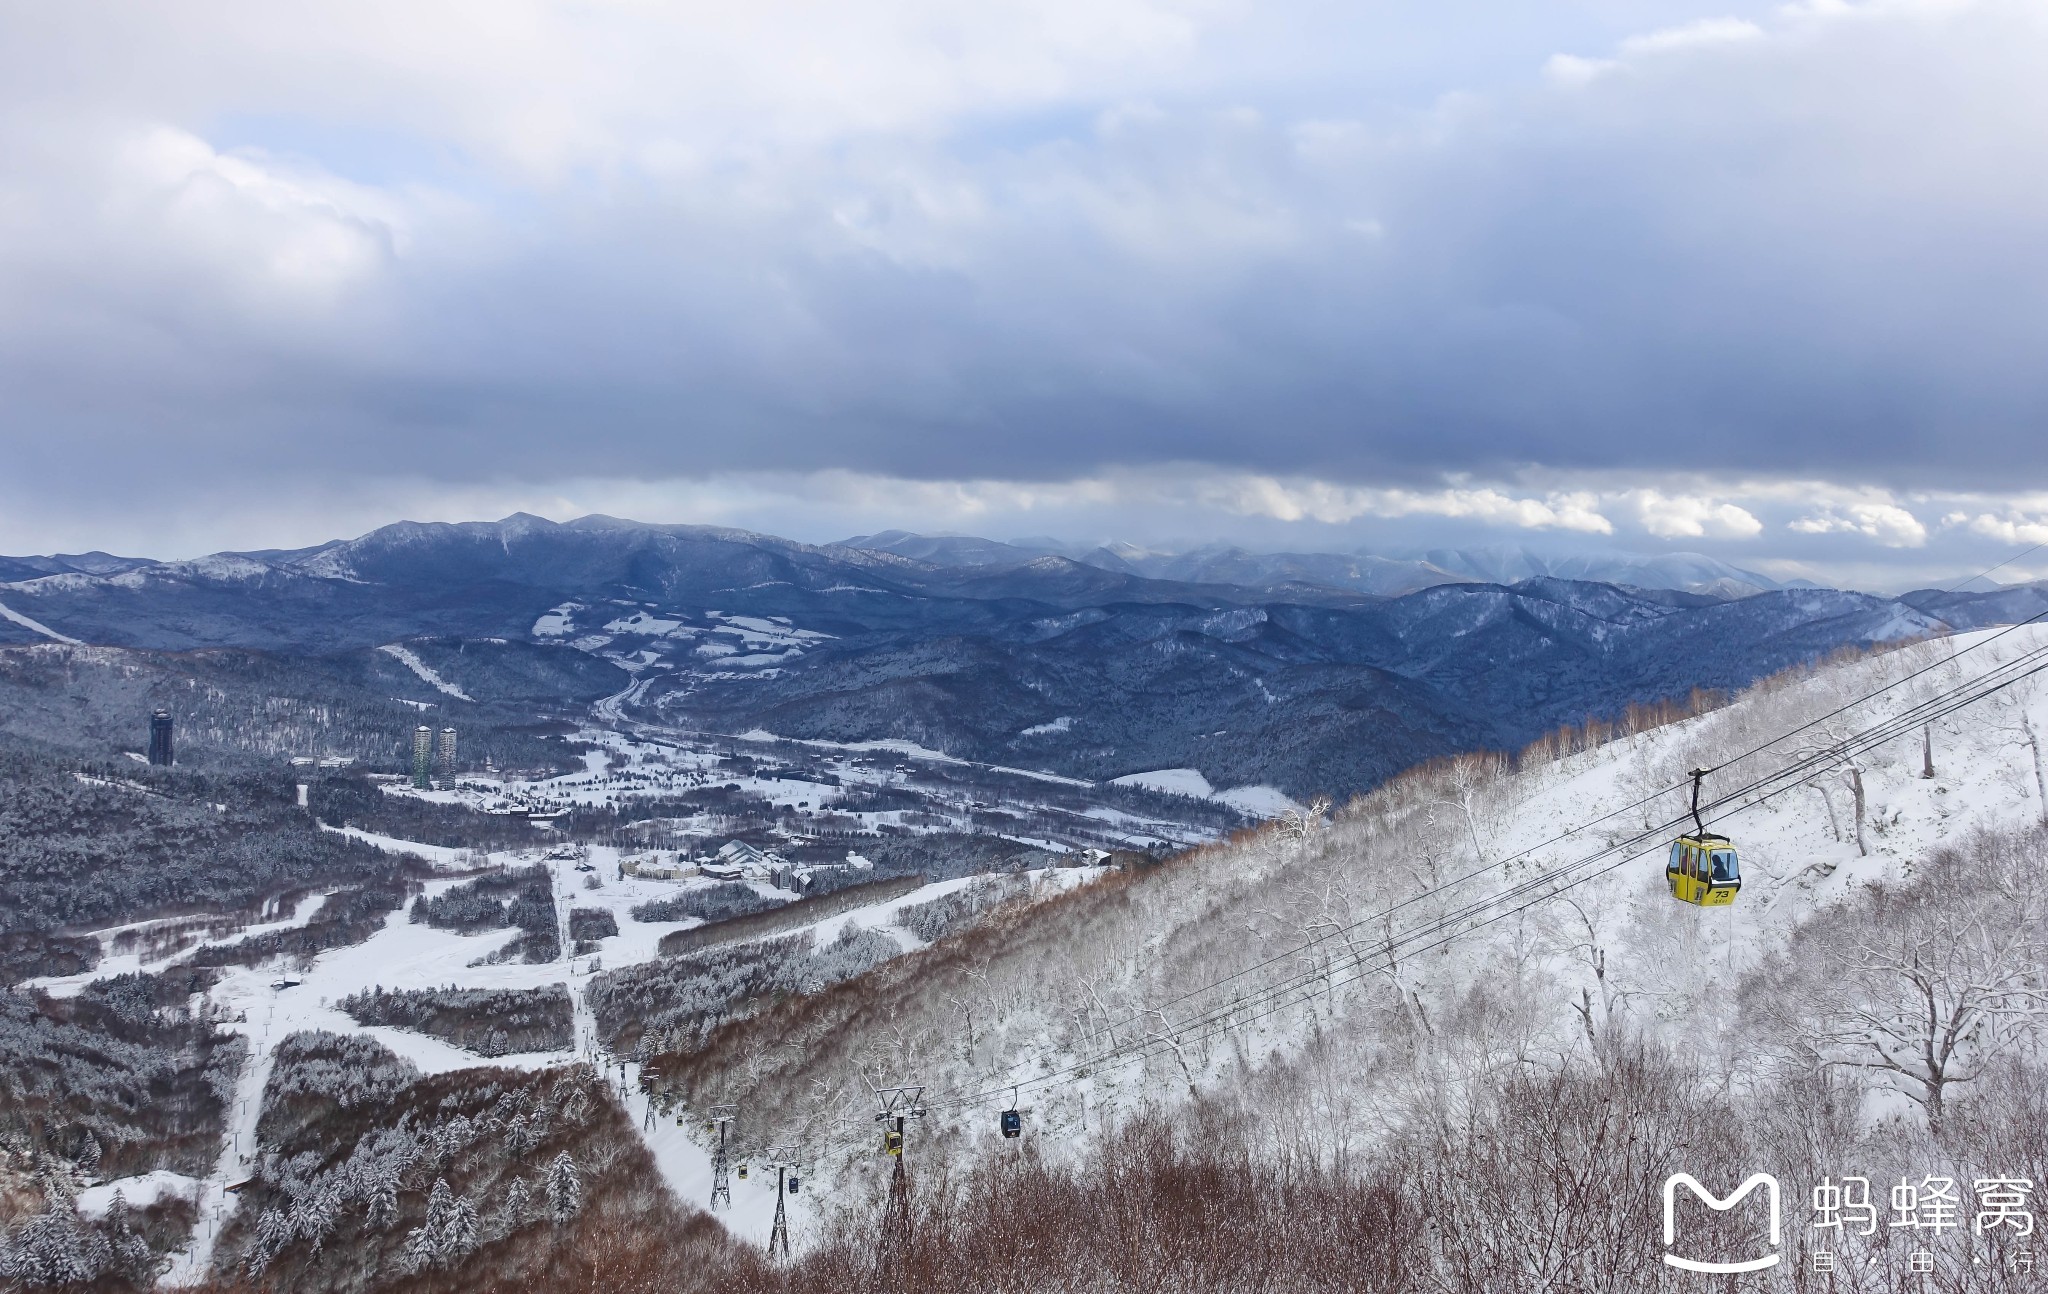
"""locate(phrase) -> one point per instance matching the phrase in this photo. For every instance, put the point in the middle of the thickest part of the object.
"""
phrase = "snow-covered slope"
(1270, 953)
(1261, 965)
(404, 656)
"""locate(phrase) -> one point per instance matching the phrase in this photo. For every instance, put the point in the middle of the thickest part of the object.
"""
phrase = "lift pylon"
(720, 1117)
(898, 1104)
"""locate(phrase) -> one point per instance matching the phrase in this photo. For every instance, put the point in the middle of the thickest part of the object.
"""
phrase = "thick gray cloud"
(1705, 252)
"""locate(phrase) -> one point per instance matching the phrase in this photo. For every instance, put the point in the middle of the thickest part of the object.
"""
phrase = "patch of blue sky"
(379, 156)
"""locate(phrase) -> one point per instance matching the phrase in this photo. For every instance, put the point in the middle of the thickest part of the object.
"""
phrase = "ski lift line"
(2007, 562)
(1885, 731)
(1548, 884)
(1537, 890)
(1578, 828)
(1304, 987)
(1551, 886)
(1390, 909)
(1306, 990)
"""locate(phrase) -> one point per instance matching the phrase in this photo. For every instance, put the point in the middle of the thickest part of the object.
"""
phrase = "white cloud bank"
(274, 273)
(1806, 528)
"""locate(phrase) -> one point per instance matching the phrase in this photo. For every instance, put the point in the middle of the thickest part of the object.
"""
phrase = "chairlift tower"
(721, 1118)
(897, 1105)
(783, 1160)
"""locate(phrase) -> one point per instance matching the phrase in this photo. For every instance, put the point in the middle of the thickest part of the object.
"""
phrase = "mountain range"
(1377, 574)
(1252, 669)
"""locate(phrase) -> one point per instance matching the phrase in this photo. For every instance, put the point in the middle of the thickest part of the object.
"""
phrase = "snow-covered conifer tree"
(564, 1188)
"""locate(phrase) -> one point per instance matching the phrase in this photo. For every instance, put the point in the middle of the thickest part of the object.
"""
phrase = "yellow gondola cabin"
(1703, 870)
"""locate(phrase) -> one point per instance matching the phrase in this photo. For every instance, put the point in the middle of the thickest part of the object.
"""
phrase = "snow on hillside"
(1244, 960)
(137, 1192)
(1266, 956)
(404, 656)
(709, 644)
(113, 963)
(404, 954)
(557, 622)
(1172, 781)
(34, 626)
(911, 750)
(1257, 801)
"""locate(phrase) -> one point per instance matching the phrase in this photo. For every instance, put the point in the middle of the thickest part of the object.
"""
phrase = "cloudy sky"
(1768, 281)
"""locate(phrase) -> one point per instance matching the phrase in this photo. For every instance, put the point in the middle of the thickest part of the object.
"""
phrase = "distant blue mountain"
(1378, 575)
(1283, 669)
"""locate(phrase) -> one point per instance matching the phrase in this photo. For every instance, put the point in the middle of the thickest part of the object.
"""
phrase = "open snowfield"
(112, 963)
(1255, 801)
(811, 780)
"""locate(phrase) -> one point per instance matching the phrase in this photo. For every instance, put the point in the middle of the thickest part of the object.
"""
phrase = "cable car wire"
(1795, 771)
(1982, 642)
(1540, 889)
(1568, 833)
(1361, 971)
(1547, 888)
(2007, 562)
(1792, 776)
(1929, 667)
(1522, 855)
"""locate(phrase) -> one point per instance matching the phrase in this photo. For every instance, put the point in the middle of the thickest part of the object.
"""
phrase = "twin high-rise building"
(432, 754)
(160, 748)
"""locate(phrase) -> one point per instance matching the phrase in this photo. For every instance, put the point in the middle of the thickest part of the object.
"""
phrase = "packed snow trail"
(427, 674)
(36, 626)
(192, 1264)
(685, 1165)
(401, 954)
(445, 858)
